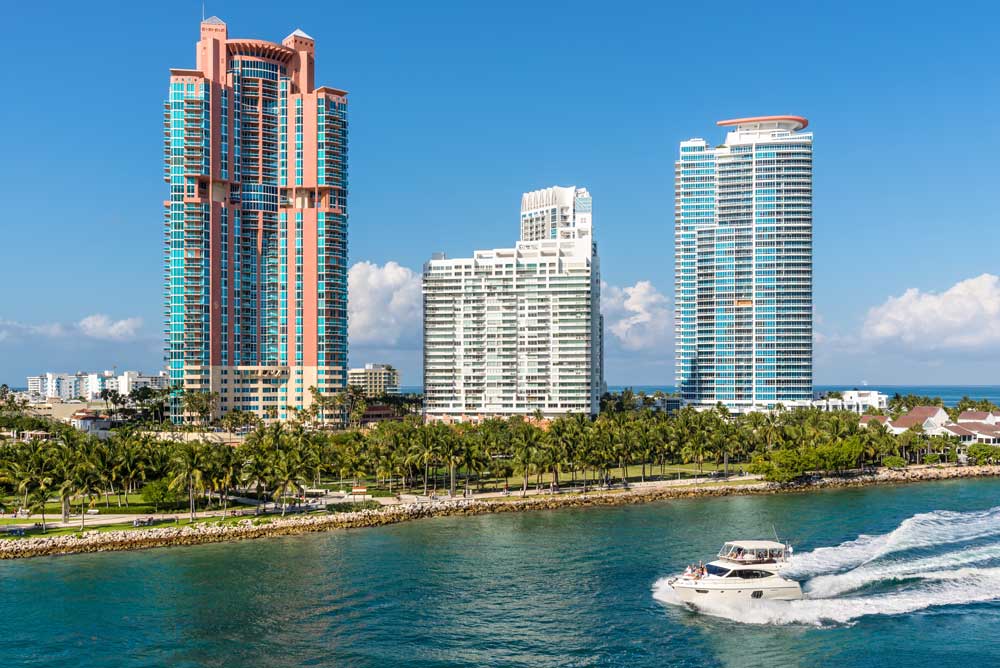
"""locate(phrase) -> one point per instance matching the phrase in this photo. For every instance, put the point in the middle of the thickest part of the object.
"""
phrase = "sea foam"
(880, 575)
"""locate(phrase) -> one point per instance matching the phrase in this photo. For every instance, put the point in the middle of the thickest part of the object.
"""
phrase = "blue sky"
(457, 108)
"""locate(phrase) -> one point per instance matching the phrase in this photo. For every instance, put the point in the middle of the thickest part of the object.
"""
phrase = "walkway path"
(271, 508)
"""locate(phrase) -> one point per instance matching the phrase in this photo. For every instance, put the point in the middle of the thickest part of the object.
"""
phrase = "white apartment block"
(36, 386)
(96, 382)
(375, 380)
(67, 386)
(131, 381)
(515, 331)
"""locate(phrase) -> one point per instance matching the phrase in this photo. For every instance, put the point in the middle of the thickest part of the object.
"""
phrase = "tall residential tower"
(515, 331)
(743, 275)
(256, 225)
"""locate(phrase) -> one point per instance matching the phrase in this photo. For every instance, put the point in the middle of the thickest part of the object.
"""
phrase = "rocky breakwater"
(909, 474)
(263, 527)
(212, 532)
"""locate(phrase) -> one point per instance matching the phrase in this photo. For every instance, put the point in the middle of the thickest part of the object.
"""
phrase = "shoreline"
(265, 527)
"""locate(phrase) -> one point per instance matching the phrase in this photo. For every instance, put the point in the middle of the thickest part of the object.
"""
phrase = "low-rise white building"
(130, 381)
(978, 416)
(934, 421)
(856, 401)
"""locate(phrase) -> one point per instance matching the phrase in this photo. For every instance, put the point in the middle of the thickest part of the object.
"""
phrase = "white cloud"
(384, 304)
(100, 326)
(639, 317)
(97, 326)
(964, 317)
(12, 330)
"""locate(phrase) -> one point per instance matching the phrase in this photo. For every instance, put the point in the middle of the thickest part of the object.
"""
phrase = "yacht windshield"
(717, 571)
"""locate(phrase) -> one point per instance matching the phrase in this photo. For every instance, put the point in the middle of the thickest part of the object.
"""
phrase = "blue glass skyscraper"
(743, 265)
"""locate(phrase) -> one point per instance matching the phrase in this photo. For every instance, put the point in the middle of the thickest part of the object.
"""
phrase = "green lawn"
(136, 506)
(439, 480)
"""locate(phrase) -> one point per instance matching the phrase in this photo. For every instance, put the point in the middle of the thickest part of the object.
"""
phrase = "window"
(712, 569)
(751, 574)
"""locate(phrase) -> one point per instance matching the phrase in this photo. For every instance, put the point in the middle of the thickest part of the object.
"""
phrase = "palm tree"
(527, 445)
(131, 465)
(451, 452)
(695, 447)
(189, 463)
(425, 449)
(289, 470)
(225, 472)
(202, 404)
(86, 483)
(36, 504)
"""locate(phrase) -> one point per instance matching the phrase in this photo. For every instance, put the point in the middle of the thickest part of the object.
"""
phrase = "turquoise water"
(895, 582)
(950, 394)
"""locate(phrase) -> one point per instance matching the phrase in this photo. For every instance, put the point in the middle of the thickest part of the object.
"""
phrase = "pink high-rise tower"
(256, 226)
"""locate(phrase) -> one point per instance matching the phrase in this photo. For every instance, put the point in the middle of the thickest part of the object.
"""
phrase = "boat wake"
(933, 559)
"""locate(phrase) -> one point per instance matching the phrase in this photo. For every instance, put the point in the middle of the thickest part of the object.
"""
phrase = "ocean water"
(950, 394)
(903, 575)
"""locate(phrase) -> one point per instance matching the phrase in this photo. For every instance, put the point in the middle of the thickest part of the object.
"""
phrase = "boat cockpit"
(755, 552)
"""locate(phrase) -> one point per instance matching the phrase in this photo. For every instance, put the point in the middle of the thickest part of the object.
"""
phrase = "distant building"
(375, 380)
(91, 422)
(379, 413)
(515, 331)
(971, 426)
(69, 386)
(36, 386)
(61, 386)
(743, 266)
(928, 418)
(979, 416)
(95, 383)
(130, 381)
(857, 401)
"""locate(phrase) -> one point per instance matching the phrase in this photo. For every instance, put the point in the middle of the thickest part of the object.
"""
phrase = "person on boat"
(688, 572)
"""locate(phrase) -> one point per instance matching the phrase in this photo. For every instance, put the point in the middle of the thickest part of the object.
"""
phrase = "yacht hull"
(695, 593)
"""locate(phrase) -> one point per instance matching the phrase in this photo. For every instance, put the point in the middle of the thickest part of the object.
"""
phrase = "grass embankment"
(136, 506)
(229, 520)
(438, 480)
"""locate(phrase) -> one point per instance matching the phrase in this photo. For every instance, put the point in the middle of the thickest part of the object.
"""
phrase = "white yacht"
(745, 570)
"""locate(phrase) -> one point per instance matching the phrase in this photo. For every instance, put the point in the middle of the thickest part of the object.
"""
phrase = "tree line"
(280, 461)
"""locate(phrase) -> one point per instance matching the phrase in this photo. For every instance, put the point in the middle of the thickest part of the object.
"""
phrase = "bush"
(932, 458)
(352, 506)
(981, 453)
(894, 462)
(158, 494)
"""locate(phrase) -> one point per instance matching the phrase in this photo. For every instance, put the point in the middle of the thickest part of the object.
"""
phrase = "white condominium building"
(375, 380)
(514, 331)
(743, 275)
(130, 381)
(88, 386)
